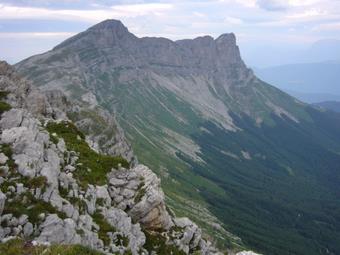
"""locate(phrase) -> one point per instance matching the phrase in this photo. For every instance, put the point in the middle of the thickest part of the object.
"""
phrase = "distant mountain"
(233, 152)
(321, 79)
(261, 55)
(312, 98)
(330, 105)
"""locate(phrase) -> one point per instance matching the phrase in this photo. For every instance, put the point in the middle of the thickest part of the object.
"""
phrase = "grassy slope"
(259, 200)
(286, 203)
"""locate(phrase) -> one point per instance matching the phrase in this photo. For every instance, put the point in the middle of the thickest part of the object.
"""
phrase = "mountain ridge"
(233, 152)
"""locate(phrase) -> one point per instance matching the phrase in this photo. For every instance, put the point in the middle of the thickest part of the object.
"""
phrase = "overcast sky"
(33, 26)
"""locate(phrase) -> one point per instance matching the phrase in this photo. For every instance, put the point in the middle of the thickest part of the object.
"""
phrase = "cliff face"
(56, 189)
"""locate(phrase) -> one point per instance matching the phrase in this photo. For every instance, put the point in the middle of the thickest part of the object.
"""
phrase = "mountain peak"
(110, 24)
(106, 33)
(227, 37)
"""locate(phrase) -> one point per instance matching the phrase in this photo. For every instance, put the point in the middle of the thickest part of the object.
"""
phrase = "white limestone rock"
(3, 158)
(56, 230)
(247, 253)
(2, 202)
(28, 229)
(122, 222)
(150, 211)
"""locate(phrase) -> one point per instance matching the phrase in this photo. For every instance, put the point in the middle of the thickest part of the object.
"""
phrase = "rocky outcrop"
(43, 198)
(139, 192)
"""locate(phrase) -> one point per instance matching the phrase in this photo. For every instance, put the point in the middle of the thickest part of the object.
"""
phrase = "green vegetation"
(19, 247)
(54, 138)
(274, 211)
(36, 182)
(4, 107)
(7, 150)
(92, 167)
(3, 94)
(122, 240)
(156, 242)
(27, 204)
(104, 227)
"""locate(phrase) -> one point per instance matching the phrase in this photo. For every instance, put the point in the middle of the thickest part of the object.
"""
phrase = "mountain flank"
(233, 152)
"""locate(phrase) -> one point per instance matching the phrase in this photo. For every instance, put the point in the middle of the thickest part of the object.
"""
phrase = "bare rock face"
(56, 230)
(139, 191)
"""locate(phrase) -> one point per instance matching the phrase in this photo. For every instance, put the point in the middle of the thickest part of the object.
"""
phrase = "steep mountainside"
(55, 189)
(233, 152)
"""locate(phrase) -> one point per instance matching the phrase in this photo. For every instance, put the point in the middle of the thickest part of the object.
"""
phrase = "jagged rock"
(90, 199)
(23, 219)
(12, 118)
(69, 210)
(102, 193)
(2, 201)
(150, 210)
(56, 230)
(51, 168)
(13, 222)
(52, 196)
(28, 229)
(61, 145)
(20, 188)
(122, 222)
(69, 168)
(191, 234)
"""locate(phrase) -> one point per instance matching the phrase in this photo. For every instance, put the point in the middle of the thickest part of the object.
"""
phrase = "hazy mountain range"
(234, 153)
(263, 56)
(310, 82)
(330, 105)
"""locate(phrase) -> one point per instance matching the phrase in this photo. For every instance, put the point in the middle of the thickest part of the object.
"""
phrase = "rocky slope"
(233, 152)
(56, 189)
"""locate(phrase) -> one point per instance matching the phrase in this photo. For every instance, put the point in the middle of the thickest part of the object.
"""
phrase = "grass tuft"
(93, 166)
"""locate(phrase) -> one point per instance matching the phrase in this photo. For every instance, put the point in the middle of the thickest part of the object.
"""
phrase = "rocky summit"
(251, 165)
(57, 189)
